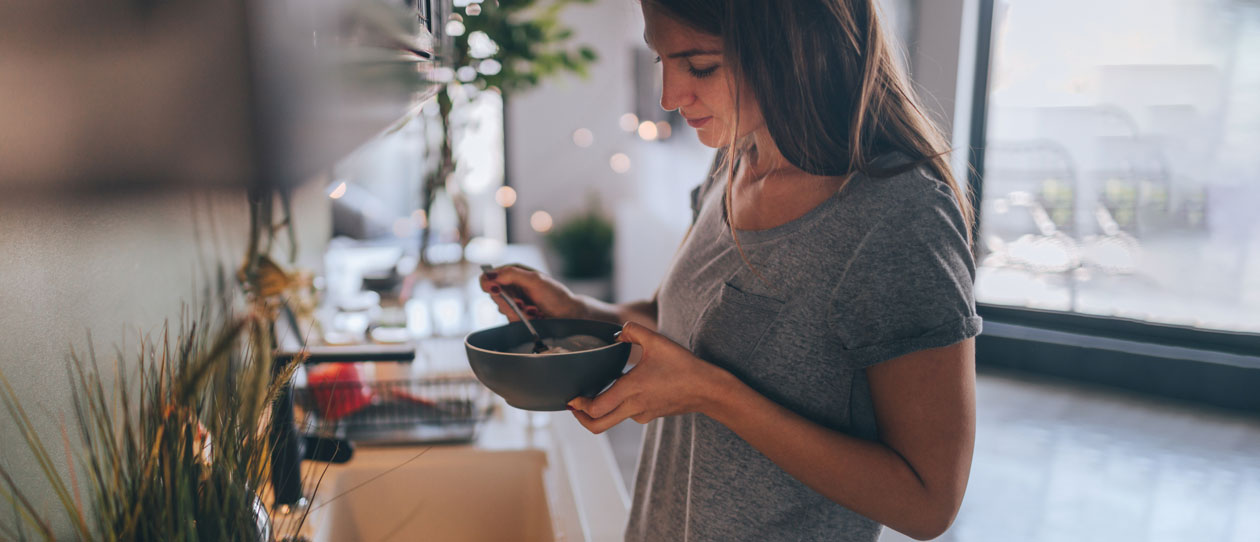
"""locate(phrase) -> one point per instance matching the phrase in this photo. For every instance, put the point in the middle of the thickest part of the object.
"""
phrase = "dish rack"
(428, 409)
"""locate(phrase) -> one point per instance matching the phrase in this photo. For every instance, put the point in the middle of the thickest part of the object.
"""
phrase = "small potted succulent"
(584, 246)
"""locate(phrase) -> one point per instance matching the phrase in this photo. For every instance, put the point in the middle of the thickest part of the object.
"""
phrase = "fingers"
(599, 425)
(508, 280)
(512, 275)
(619, 393)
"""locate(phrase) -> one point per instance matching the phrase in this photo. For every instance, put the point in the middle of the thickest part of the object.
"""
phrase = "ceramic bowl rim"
(468, 344)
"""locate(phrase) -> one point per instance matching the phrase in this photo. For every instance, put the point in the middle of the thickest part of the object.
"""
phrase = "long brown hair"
(825, 77)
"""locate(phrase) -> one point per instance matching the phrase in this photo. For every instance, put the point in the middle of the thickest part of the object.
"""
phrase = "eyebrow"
(693, 52)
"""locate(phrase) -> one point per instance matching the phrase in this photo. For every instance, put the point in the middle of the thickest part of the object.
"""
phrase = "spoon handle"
(512, 304)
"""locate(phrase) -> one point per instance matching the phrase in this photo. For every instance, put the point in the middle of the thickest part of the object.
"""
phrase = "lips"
(698, 122)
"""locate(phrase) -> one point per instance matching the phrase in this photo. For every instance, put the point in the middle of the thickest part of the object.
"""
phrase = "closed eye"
(700, 73)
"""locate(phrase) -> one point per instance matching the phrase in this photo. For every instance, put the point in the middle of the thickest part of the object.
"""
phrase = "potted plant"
(178, 454)
(584, 246)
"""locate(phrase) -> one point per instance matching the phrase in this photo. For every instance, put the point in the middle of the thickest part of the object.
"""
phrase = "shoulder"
(879, 215)
(909, 196)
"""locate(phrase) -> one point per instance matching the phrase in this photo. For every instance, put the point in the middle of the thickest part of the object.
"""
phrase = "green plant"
(181, 455)
(525, 38)
(584, 244)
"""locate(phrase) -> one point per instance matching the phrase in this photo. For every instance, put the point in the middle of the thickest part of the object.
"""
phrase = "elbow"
(933, 520)
(927, 532)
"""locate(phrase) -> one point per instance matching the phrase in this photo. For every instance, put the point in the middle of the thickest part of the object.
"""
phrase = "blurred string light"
(540, 221)
(664, 130)
(619, 162)
(442, 74)
(629, 122)
(647, 131)
(473, 9)
(455, 26)
(583, 137)
(466, 73)
(480, 45)
(489, 66)
(505, 196)
(338, 191)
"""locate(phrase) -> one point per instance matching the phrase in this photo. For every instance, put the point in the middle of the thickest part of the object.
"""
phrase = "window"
(1122, 161)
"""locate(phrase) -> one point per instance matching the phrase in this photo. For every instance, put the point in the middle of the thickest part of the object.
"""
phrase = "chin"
(711, 139)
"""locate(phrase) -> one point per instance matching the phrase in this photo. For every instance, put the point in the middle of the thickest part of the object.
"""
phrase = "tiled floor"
(1059, 462)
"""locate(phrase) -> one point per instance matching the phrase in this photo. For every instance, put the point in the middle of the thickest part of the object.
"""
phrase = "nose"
(675, 92)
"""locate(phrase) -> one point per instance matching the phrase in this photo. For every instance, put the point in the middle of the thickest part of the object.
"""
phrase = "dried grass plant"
(179, 452)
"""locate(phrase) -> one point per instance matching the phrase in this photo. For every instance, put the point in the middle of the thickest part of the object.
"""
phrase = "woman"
(808, 365)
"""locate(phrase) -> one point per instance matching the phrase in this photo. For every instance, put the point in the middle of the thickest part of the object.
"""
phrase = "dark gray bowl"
(545, 381)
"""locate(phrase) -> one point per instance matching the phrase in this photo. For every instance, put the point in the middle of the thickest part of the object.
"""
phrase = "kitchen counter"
(512, 475)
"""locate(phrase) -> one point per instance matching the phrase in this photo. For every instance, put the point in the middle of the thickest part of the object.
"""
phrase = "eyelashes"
(701, 74)
(696, 72)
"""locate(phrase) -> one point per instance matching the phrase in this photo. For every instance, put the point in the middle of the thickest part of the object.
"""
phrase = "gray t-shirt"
(879, 270)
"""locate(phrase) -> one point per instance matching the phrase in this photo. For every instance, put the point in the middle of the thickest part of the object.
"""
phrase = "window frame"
(1219, 368)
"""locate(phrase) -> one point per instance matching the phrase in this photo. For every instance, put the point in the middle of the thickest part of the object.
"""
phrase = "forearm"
(867, 477)
(643, 312)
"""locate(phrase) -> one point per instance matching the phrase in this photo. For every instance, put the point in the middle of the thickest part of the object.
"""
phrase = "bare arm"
(641, 312)
(913, 478)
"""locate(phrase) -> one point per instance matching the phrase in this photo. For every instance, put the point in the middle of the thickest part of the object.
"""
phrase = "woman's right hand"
(538, 295)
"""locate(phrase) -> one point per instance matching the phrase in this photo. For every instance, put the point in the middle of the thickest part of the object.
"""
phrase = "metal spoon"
(539, 347)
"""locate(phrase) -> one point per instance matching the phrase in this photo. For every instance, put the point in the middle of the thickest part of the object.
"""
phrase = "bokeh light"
(619, 162)
(505, 196)
(337, 192)
(454, 28)
(629, 122)
(540, 221)
(583, 137)
(664, 130)
(647, 131)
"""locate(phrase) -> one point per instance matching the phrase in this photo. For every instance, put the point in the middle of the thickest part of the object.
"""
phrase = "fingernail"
(617, 336)
(495, 289)
(570, 407)
(531, 311)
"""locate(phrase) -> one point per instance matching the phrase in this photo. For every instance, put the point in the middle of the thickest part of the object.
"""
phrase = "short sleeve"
(909, 285)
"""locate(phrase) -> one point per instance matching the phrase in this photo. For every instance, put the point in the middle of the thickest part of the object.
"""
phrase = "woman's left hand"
(668, 380)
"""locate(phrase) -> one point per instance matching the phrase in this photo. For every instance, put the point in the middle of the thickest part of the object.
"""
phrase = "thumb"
(636, 333)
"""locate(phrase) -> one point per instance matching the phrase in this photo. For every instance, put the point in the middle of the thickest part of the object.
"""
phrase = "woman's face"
(697, 80)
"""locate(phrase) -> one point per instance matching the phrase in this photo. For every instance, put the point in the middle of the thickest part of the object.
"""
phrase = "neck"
(768, 157)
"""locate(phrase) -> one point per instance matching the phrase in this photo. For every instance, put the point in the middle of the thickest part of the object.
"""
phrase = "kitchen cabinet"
(103, 96)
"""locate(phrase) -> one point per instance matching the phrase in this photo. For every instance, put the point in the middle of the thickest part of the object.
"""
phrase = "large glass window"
(1122, 166)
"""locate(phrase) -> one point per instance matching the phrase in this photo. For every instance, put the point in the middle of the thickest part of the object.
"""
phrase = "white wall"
(942, 64)
(109, 267)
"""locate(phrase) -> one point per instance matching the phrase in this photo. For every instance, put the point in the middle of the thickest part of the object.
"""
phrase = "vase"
(600, 288)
